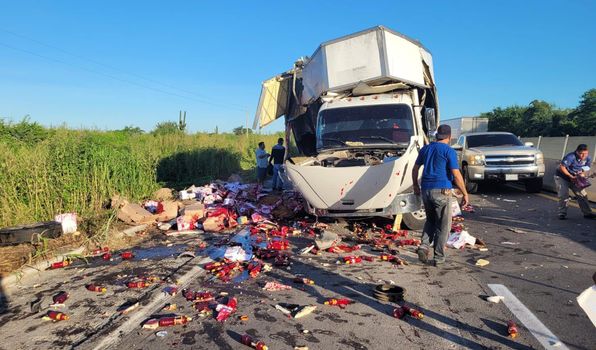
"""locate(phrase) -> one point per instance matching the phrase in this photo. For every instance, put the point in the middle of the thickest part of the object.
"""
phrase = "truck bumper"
(481, 172)
(403, 203)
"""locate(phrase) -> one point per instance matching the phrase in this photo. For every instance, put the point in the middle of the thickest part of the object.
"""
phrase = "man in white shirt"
(262, 162)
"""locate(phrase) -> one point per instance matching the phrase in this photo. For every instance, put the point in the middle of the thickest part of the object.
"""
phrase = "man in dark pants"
(278, 152)
(573, 165)
(440, 169)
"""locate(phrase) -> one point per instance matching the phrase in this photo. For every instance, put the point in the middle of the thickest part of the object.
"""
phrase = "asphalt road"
(545, 265)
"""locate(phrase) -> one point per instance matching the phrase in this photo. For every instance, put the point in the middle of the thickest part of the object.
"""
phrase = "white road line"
(531, 322)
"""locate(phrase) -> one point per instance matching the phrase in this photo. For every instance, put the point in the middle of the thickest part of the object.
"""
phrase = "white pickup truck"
(499, 156)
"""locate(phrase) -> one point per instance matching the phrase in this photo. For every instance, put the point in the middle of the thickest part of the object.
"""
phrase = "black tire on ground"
(471, 187)
(414, 221)
(30, 233)
(534, 185)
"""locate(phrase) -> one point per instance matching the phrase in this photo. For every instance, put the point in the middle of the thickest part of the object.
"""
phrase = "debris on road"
(401, 311)
(255, 344)
(482, 262)
(60, 264)
(224, 310)
(166, 321)
(56, 316)
(512, 329)
(303, 280)
(342, 302)
(295, 310)
(68, 222)
(133, 213)
(127, 255)
(59, 299)
(389, 292)
(516, 230)
(276, 287)
(495, 299)
(96, 288)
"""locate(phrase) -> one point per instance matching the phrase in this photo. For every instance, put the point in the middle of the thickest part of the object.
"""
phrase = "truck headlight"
(539, 157)
(476, 159)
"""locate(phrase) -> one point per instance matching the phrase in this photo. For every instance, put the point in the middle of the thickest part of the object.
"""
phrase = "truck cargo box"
(375, 56)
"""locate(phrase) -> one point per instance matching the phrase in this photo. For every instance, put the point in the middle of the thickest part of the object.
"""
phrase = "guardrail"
(555, 148)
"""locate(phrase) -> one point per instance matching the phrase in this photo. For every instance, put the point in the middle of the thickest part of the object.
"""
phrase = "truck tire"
(534, 185)
(415, 220)
(30, 233)
(471, 187)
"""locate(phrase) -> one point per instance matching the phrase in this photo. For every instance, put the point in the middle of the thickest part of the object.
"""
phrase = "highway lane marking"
(529, 320)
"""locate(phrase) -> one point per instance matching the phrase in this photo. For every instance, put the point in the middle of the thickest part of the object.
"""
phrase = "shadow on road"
(362, 293)
(533, 214)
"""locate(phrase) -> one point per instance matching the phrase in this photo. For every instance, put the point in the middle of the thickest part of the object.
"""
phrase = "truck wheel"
(534, 185)
(415, 220)
(471, 187)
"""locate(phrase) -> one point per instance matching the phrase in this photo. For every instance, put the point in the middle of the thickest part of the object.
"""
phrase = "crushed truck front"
(366, 147)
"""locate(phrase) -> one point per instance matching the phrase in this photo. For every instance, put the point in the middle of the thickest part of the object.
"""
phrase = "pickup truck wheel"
(471, 187)
(534, 185)
(415, 220)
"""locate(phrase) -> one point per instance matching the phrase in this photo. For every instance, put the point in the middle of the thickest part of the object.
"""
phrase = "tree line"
(541, 118)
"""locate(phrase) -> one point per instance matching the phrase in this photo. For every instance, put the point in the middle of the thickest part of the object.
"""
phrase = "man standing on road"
(574, 165)
(278, 153)
(261, 164)
(440, 169)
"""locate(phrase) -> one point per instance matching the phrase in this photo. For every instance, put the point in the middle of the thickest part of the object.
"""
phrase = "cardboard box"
(132, 213)
(170, 211)
(195, 209)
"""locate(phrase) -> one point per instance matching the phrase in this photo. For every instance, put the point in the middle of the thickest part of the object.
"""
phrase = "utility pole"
(182, 121)
(246, 124)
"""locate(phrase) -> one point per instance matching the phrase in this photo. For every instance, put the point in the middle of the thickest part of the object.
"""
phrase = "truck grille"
(509, 160)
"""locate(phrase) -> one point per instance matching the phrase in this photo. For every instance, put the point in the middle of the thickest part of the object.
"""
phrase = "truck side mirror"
(529, 144)
(457, 147)
(430, 121)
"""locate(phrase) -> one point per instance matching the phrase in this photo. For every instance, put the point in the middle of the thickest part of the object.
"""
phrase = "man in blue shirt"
(572, 166)
(440, 170)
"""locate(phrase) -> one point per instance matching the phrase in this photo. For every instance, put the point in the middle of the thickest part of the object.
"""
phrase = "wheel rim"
(419, 214)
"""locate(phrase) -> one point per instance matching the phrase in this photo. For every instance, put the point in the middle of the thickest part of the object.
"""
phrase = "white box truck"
(464, 125)
(358, 110)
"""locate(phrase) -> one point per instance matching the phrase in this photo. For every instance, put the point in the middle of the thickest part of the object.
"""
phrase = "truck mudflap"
(370, 190)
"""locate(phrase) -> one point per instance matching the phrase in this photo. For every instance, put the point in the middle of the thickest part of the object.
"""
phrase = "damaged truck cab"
(359, 110)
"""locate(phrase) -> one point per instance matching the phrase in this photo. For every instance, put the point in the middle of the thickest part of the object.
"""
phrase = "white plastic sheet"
(459, 239)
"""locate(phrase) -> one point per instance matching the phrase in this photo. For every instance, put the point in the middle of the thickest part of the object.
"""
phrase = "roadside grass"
(44, 172)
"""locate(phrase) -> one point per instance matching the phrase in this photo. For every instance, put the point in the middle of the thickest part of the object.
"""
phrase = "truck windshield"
(493, 140)
(365, 125)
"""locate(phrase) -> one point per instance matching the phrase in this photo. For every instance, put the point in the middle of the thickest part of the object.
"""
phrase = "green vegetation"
(44, 172)
(541, 118)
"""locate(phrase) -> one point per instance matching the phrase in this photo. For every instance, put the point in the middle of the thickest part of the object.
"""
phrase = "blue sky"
(108, 64)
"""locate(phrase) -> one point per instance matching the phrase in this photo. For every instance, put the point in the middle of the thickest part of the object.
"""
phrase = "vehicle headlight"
(539, 157)
(476, 159)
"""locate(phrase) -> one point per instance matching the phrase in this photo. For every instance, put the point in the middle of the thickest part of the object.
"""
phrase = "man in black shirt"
(278, 153)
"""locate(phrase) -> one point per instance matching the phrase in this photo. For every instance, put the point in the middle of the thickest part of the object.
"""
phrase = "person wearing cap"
(573, 166)
(440, 170)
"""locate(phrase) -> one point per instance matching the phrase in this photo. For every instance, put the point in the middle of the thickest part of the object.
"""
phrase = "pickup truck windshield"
(493, 140)
(365, 125)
